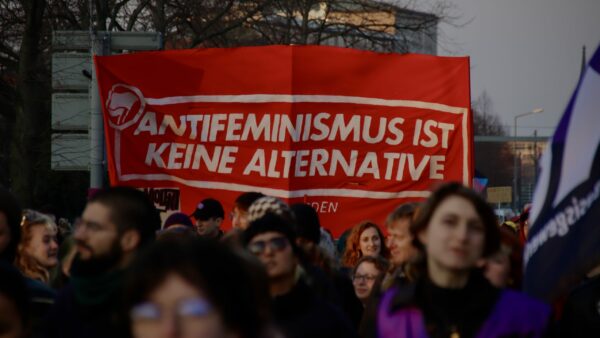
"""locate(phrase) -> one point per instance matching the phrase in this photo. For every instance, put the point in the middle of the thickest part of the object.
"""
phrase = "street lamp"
(515, 171)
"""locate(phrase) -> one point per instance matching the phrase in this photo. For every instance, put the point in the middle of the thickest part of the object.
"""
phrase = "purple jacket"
(513, 314)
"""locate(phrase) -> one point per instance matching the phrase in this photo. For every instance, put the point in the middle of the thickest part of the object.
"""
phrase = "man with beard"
(115, 223)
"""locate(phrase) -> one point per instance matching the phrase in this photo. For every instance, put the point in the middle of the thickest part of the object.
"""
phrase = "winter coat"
(506, 314)
(301, 313)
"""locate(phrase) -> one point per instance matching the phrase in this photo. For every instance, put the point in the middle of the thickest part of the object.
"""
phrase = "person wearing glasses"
(298, 310)
(367, 271)
(180, 287)
(115, 224)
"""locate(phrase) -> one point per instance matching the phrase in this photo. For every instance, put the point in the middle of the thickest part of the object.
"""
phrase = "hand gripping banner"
(352, 133)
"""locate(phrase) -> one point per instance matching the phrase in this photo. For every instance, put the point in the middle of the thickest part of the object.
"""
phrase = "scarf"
(97, 289)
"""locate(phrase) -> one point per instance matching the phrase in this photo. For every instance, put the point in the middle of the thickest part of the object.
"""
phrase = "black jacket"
(300, 314)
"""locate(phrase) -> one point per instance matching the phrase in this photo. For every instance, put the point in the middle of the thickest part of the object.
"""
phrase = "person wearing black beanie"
(297, 309)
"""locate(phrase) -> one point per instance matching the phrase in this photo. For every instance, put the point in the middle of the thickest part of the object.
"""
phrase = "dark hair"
(381, 264)
(13, 287)
(209, 266)
(271, 223)
(130, 209)
(485, 212)
(352, 252)
(406, 210)
(12, 211)
(243, 201)
(307, 222)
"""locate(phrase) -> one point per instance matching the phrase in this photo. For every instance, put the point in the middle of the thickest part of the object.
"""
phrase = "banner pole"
(99, 47)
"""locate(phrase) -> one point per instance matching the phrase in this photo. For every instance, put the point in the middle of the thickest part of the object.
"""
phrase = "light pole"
(515, 171)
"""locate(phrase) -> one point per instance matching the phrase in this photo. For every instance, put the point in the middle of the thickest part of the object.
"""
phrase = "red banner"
(350, 132)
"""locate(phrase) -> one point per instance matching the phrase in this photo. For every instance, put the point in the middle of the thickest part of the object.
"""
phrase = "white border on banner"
(284, 98)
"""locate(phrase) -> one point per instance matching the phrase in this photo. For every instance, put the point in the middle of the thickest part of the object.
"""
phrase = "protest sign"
(352, 133)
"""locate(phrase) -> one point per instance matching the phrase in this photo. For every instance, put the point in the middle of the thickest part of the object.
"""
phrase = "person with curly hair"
(37, 252)
(365, 239)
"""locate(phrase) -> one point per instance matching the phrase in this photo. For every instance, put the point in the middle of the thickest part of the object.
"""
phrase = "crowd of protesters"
(444, 268)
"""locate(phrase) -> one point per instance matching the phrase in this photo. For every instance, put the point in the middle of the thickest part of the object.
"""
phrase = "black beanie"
(270, 223)
(307, 222)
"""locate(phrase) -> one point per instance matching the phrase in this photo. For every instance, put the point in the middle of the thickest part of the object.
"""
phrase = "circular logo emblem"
(125, 106)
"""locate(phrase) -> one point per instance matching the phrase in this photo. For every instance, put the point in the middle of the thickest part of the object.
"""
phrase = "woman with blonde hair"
(365, 239)
(37, 252)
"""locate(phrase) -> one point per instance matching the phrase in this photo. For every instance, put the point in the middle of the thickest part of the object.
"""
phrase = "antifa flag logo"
(125, 106)
(269, 119)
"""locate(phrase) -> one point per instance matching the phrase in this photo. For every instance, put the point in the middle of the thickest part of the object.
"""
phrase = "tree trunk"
(28, 152)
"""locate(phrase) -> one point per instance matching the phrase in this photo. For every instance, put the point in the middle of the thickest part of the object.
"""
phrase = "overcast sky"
(525, 53)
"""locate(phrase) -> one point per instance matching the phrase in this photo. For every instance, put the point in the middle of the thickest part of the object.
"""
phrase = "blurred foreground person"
(14, 303)
(298, 310)
(37, 252)
(453, 230)
(115, 223)
(190, 287)
(581, 312)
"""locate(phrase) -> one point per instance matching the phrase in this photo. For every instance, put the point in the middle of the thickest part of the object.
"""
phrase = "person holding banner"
(365, 239)
(453, 230)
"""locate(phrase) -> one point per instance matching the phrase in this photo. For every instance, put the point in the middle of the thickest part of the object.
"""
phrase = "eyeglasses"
(275, 244)
(187, 309)
(364, 278)
(91, 226)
